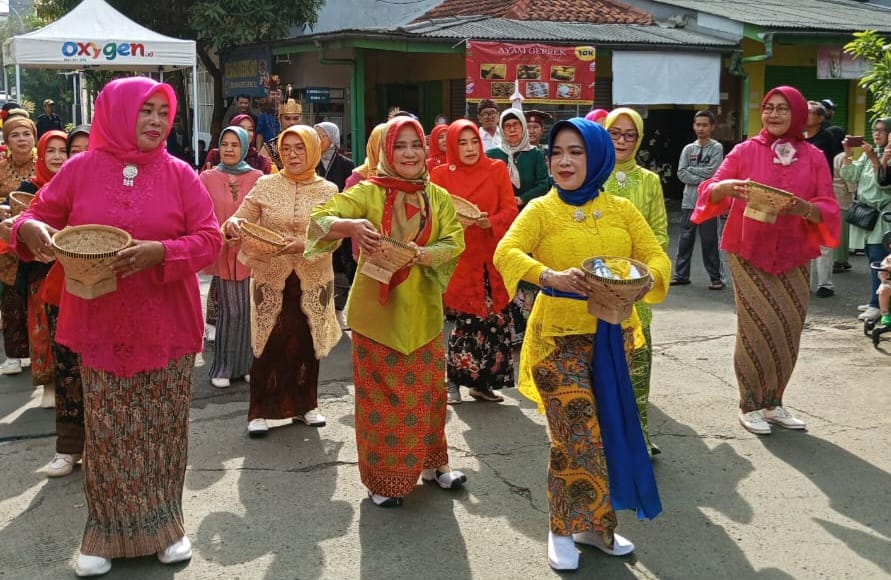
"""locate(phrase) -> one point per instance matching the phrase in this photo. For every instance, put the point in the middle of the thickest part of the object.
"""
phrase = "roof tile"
(591, 11)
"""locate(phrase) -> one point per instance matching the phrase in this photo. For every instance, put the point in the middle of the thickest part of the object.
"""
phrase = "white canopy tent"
(95, 35)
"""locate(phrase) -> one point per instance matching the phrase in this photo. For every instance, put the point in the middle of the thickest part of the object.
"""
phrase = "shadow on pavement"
(855, 488)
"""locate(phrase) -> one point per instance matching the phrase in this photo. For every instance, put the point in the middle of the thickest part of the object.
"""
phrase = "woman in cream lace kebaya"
(292, 298)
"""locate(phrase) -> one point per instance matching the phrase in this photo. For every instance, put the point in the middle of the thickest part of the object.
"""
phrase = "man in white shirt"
(487, 115)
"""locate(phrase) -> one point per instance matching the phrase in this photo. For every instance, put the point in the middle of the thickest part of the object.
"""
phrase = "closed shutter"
(804, 78)
(457, 99)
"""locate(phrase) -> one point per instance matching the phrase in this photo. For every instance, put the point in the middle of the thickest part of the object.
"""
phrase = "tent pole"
(195, 112)
(18, 84)
(6, 83)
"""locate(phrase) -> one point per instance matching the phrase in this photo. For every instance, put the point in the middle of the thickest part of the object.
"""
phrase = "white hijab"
(523, 145)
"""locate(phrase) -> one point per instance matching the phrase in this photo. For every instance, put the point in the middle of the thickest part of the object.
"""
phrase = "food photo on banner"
(545, 73)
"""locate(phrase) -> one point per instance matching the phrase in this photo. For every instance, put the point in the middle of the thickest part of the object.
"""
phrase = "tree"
(874, 49)
(215, 25)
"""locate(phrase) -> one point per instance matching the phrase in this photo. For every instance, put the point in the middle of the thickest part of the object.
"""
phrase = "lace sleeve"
(446, 250)
(512, 257)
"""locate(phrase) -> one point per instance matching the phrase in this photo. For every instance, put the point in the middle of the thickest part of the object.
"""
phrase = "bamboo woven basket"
(468, 212)
(613, 299)
(764, 202)
(87, 253)
(258, 244)
(19, 201)
(391, 257)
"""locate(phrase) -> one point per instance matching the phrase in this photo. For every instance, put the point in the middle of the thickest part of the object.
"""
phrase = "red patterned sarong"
(400, 414)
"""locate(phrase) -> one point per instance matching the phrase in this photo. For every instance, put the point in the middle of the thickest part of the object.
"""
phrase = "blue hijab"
(601, 158)
(241, 166)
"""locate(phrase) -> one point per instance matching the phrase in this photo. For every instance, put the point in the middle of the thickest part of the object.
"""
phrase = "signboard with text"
(546, 73)
(243, 71)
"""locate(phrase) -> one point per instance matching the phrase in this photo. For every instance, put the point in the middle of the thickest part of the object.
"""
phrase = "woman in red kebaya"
(479, 353)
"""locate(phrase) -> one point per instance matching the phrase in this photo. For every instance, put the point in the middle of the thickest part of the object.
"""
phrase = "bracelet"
(543, 277)
(810, 210)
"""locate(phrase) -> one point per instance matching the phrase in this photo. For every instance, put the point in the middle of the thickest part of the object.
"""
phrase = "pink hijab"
(116, 111)
(798, 106)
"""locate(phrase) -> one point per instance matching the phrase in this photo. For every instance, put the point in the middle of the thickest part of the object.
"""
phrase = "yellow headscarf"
(372, 152)
(313, 152)
(635, 117)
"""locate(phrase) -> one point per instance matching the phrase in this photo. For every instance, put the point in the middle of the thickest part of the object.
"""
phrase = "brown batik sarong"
(770, 318)
(137, 436)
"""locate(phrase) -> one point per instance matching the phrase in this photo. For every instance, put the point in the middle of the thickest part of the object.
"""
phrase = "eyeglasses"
(879, 130)
(781, 110)
(488, 114)
(629, 136)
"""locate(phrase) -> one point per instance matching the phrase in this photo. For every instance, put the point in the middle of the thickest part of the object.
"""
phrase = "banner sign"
(834, 63)
(546, 73)
(243, 72)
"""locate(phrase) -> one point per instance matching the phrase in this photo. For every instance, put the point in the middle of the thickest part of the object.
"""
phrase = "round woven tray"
(613, 298)
(259, 241)
(19, 201)
(764, 202)
(468, 212)
(87, 253)
(391, 257)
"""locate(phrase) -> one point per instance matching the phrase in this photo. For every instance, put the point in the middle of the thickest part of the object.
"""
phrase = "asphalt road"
(790, 505)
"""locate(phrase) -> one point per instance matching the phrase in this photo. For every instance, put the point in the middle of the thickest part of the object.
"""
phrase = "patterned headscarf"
(313, 152)
(600, 158)
(388, 143)
(116, 111)
(242, 166)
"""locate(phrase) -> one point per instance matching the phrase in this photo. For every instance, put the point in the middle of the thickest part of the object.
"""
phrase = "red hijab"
(116, 112)
(435, 157)
(43, 173)
(472, 176)
(798, 114)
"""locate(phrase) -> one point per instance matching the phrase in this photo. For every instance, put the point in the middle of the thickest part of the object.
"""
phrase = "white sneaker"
(871, 313)
(562, 553)
(247, 378)
(26, 362)
(862, 307)
(199, 360)
(311, 418)
(780, 416)
(210, 333)
(61, 465)
(258, 428)
(220, 383)
(754, 422)
(621, 545)
(12, 366)
(48, 401)
(176, 552)
(92, 565)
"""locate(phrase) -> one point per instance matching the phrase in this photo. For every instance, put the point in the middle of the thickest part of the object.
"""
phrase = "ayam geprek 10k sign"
(546, 73)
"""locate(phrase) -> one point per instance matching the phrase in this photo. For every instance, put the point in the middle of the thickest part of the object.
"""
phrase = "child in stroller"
(875, 328)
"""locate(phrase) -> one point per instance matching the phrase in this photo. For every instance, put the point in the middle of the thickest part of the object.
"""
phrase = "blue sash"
(632, 483)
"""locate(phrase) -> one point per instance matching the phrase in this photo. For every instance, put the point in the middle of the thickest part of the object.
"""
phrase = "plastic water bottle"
(602, 270)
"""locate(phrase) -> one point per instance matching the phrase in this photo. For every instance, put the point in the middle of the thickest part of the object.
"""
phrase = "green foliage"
(224, 24)
(874, 49)
(215, 24)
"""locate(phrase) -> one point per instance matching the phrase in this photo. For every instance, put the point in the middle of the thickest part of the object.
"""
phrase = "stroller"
(871, 327)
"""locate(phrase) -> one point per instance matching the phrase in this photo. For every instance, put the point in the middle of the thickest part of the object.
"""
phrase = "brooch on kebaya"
(130, 172)
(579, 216)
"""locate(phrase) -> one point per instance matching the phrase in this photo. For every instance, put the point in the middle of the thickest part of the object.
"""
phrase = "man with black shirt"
(817, 133)
(48, 120)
